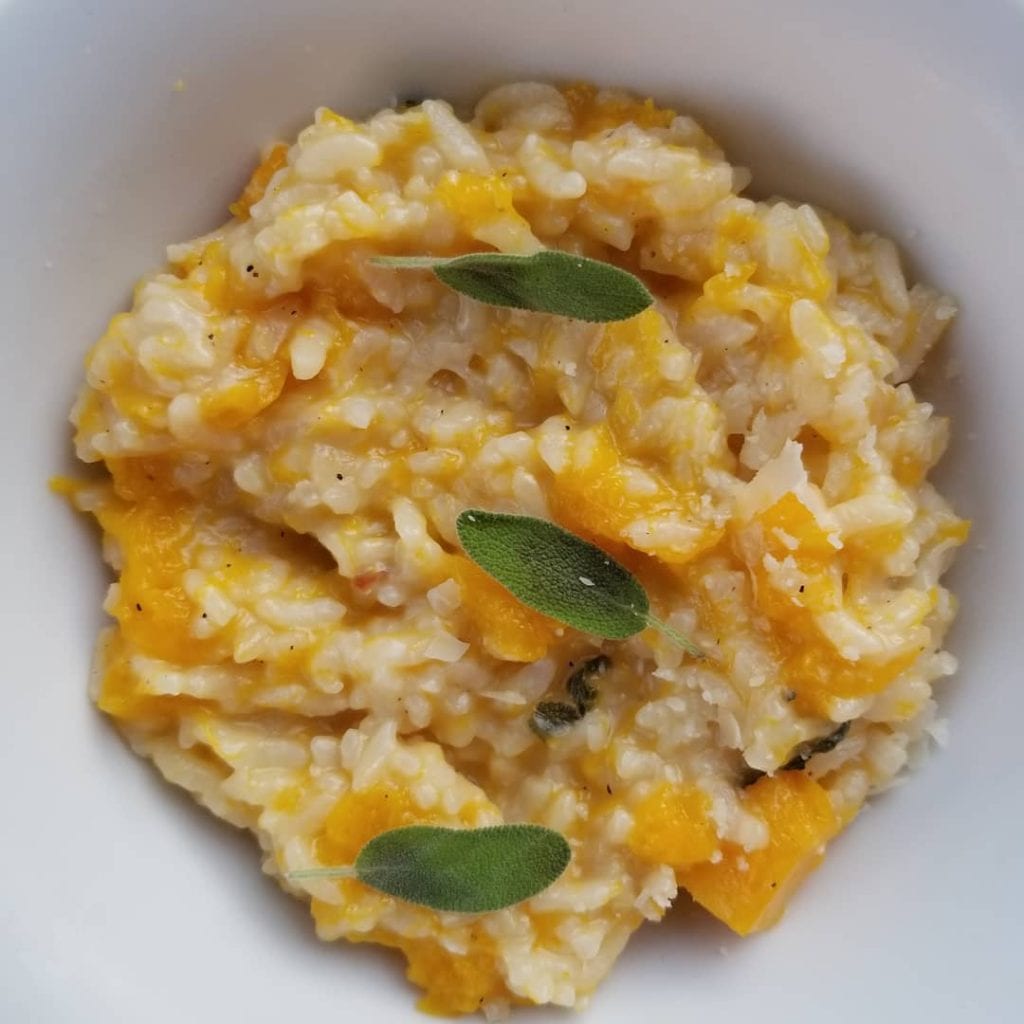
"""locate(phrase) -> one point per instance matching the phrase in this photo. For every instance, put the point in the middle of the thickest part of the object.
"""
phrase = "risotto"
(290, 431)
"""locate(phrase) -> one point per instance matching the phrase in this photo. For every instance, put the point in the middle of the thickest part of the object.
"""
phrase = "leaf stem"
(409, 262)
(675, 636)
(341, 871)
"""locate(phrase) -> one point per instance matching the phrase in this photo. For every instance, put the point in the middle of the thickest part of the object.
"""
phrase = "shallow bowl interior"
(123, 902)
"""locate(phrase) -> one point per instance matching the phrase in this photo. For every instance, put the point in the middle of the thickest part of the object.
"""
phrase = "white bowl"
(123, 902)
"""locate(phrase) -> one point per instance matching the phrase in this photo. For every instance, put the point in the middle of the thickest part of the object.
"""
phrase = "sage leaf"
(805, 751)
(580, 687)
(561, 575)
(673, 634)
(552, 718)
(549, 281)
(555, 572)
(801, 756)
(469, 871)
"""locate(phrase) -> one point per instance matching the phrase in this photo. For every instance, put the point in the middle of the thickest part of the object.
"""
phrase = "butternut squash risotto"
(291, 430)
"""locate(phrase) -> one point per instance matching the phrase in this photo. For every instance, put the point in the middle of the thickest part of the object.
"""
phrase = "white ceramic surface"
(119, 900)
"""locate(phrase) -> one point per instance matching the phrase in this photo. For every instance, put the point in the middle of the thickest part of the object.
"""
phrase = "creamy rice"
(291, 432)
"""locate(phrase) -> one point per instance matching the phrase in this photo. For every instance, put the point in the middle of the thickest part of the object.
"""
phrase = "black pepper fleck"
(609, 788)
(138, 607)
(340, 476)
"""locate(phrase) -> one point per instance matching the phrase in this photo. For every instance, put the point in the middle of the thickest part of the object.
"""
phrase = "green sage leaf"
(561, 575)
(555, 572)
(805, 751)
(580, 687)
(801, 756)
(552, 718)
(555, 717)
(470, 871)
(549, 281)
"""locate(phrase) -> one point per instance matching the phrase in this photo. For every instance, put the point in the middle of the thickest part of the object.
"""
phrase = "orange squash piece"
(672, 826)
(453, 983)
(593, 112)
(475, 198)
(120, 695)
(359, 816)
(255, 389)
(748, 891)
(814, 669)
(152, 607)
(508, 628)
(591, 499)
